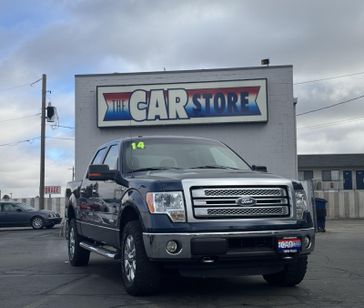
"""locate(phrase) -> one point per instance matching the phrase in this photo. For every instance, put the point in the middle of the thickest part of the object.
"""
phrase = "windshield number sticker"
(137, 145)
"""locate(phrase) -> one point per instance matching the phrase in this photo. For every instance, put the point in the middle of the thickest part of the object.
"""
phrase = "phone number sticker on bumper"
(289, 245)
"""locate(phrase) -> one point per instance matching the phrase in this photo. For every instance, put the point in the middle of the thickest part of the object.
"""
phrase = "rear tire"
(77, 255)
(140, 276)
(292, 274)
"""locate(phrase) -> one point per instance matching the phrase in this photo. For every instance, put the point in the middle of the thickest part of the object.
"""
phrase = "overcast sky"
(62, 38)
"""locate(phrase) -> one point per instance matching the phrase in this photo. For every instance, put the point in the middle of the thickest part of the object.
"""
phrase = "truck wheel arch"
(129, 213)
(70, 212)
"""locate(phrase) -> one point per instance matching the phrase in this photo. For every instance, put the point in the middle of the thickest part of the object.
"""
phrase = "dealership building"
(252, 110)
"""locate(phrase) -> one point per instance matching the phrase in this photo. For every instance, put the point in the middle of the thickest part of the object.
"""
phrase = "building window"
(359, 179)
(348, 179)
(330, 175)
(305, 175)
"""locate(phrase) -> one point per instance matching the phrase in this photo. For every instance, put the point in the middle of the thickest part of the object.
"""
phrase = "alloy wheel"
(72, 242)
(37, 223)
(129, 258)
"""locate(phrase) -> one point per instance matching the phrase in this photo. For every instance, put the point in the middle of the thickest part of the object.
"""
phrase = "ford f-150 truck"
(187, 204)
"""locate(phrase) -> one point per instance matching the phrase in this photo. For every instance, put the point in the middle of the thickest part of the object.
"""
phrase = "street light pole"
(42, 142)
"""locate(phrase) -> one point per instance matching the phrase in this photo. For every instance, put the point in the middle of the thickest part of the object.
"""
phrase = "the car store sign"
(182, 103)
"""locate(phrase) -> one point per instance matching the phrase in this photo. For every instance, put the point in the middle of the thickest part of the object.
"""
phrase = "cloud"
(63, 38)
(20, 170)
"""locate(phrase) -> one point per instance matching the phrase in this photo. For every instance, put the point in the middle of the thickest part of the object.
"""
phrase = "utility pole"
(42, 142)
(73, 172)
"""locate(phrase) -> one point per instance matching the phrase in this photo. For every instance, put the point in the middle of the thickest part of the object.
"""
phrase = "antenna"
(131, 144)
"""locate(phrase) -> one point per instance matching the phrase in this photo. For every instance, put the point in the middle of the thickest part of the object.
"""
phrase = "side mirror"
(259, 168)
(100, 173)
(19, 210)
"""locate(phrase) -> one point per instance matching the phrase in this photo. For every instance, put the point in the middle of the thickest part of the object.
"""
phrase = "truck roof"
(159, 137)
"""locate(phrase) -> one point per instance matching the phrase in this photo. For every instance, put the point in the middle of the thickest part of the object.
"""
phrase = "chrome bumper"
(155, 243)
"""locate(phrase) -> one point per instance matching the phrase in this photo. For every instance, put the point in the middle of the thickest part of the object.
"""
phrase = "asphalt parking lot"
(34, 273)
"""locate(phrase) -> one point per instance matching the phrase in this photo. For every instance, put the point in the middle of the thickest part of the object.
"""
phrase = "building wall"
(342, 203)
(319, 184)
(272, 144)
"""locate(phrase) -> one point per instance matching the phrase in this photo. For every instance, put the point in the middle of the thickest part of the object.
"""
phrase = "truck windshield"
(177, 153)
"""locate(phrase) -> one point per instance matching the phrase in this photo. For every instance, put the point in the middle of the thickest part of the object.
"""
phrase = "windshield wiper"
(154, 169)
(214, 167)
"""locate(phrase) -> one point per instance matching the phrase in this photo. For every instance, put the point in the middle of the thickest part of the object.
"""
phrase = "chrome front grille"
(244, 192)
(210, 202)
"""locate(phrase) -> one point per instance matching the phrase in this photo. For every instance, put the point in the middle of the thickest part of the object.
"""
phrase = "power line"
(328, 78)
(25, 117)
(18, 142)
(35, 138)
(15, 87)
(331, 106)
(61, 126)
(20, 85)
(61, 138)
(333, 123)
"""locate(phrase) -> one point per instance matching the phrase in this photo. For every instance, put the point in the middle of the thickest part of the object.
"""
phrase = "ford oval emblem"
(246, 201)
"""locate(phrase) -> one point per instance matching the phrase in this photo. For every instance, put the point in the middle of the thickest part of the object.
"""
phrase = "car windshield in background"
(168, 153)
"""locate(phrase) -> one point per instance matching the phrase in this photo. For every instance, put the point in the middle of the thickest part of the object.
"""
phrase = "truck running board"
(101, 251)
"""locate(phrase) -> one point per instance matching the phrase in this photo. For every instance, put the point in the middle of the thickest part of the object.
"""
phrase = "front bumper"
(222, 245)
(52, 221)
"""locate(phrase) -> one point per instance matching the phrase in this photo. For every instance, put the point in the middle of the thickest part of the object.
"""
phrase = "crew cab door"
(100, 201)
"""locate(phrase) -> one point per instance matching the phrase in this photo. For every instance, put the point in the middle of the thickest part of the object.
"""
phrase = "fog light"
(172, 246)
(307, 242)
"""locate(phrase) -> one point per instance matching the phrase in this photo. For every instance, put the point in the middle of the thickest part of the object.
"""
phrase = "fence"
(343, 204)
(54, 204)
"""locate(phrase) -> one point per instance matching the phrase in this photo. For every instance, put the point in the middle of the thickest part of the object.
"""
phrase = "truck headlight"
(170, 203)
(301, 203)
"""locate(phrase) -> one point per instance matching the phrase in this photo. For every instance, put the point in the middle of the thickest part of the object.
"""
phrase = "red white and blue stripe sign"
(183, 103)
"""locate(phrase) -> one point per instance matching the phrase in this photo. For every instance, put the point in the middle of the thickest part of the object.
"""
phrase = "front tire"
(292, 274)
(37, 223)
(77, 255)
(140, 276)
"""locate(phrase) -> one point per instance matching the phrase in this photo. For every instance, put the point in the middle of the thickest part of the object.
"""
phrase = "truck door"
(86, 202)
(99, 202)
(108, 201)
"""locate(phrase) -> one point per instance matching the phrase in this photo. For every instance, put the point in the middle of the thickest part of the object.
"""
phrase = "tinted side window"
(112, 157)
(8, 207)
(99, 157)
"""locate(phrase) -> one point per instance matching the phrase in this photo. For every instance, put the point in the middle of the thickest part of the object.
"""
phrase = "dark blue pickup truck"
(187, 204)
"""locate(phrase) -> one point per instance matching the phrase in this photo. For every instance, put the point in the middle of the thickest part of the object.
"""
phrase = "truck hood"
(172, 179)
(165, 175)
